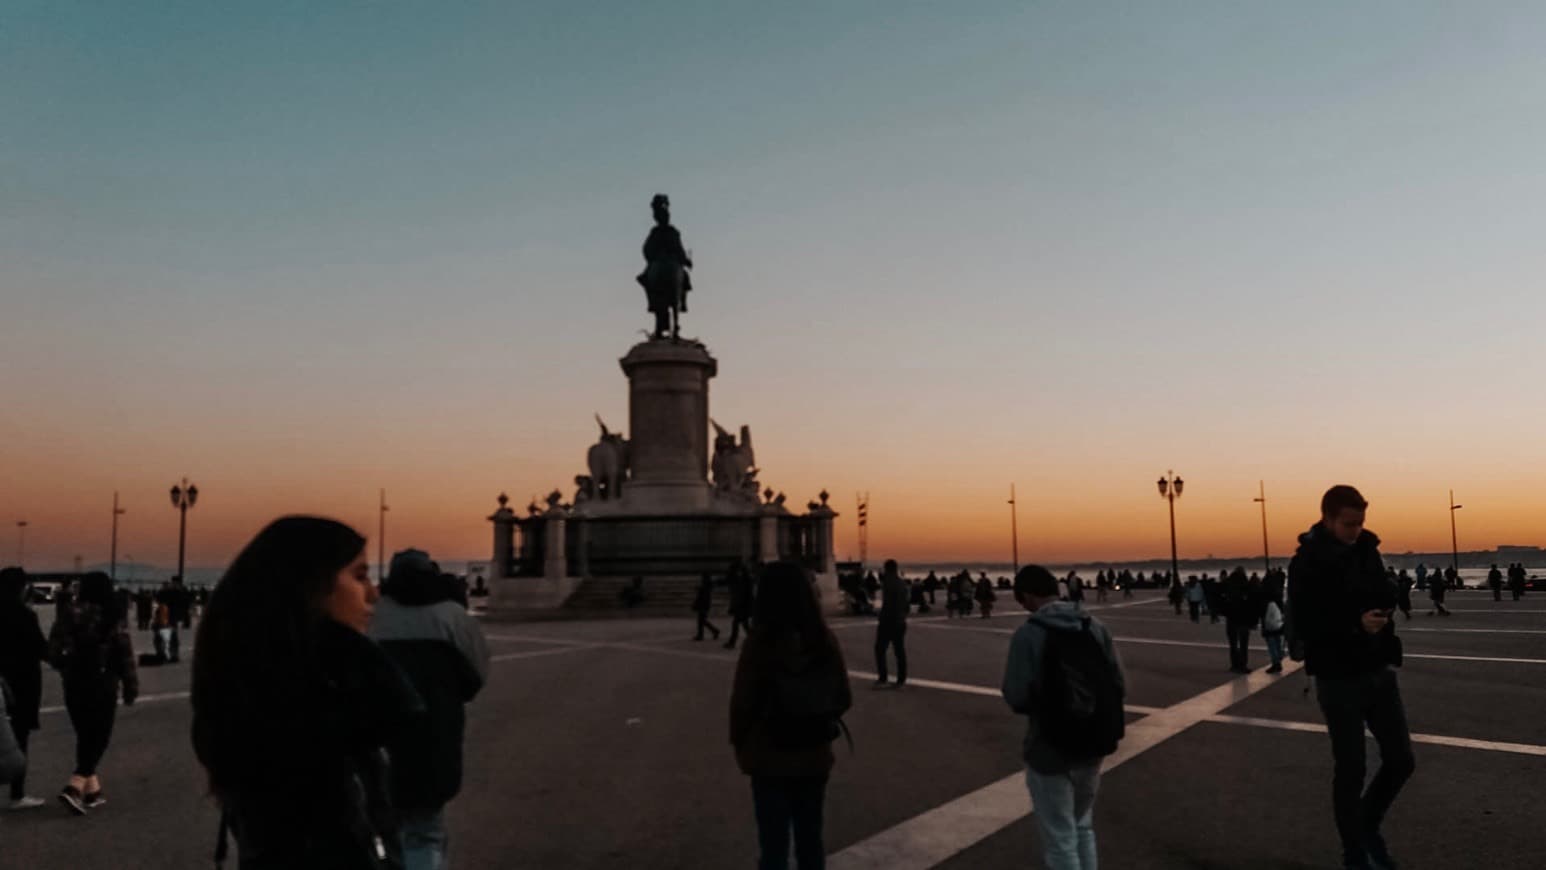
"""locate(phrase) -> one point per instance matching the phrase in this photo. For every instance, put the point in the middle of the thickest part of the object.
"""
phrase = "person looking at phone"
(1340, 607)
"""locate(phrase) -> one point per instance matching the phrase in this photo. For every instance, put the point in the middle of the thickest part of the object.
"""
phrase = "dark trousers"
(784, 803)
(19, 784)
(1497, 593)
(737, 623)
(893, 635)
(1192, 608)
(703, 622)
(1239, 644)
(1348, 703)
(92, 705)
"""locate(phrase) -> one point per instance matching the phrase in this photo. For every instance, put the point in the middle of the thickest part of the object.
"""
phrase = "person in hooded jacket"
(1342, 602)
(23, 649)
(424, 627)
(791, 687)
(90, 648)
(294, 707)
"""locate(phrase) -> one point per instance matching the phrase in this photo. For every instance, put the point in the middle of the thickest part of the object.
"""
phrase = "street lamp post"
(381, 540)
(1454, 540)
(183, 497)
(21, 543)
(112, 559)
(1262, 500)
(1170, 490)
(1014, 531)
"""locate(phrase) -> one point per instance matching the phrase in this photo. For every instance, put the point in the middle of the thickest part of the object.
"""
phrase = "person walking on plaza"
(1404, 587)
(1495, 580)
(143, 603)
(1436, 594)
(427, 631)
(1272, 633)
(1516, 580)
(786, 706)
(986, 597)
(90, 648)
(739, 579)
(1176, 594)
(702, 603)
(1064, 676)
(294, 707)
(1194, 598)
(23, 649)
(891, 631)
(1241, 612)
(1342, 604)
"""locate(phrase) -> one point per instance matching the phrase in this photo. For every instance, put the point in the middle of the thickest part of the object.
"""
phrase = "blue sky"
(334, 246)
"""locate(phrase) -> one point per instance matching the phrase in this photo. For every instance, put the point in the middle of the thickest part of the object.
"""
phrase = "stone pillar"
(825, 550)
(555, 566)
(767, 536)
(504, 540)
(668, 427)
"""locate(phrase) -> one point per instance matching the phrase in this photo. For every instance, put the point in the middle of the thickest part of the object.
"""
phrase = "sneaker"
(94, 800)
(1379, 856)
(26, 803)
(71, 798)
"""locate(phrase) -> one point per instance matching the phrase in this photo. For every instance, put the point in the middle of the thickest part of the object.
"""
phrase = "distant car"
(1535, 582)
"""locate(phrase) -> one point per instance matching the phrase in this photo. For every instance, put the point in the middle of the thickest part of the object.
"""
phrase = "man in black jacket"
(426, 630)
(1340, 604)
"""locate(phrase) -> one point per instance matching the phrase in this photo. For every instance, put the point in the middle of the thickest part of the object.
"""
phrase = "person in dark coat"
(1516, 580)
(90, 648)
(23, 649)
(740, 582)
(1495, 580)
(1242, 610)
(143, 603)
(1341, 603)
(294, 707)
(422, 623)
(702, 603)
(791, 690)
(891, 630)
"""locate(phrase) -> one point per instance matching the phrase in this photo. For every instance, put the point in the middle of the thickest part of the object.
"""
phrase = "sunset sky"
(302, 251)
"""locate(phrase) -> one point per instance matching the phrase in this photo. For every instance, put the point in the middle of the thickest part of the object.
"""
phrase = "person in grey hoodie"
(424, 627)
(1062, 787)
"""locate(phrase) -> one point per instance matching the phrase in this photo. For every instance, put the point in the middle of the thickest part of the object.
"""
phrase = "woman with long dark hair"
(89, 646)
(791, 688)
(293, 704)
(23, 649)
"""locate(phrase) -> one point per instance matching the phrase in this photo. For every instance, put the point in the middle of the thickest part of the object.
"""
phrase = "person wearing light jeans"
(1062, 787)
(424, 838)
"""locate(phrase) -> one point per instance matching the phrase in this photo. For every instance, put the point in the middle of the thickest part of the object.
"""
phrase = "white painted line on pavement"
(938, 834)
(531, 654)
(1430, 739)
(1477, 630)
(143, 699)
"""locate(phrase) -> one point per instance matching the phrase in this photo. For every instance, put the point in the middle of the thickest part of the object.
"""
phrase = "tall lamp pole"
(21, 543)
(381, 540)
(112, 559)
(1014, 530)
(1262, 500)
(1170, 490)
(183, 497)
(1454, 540)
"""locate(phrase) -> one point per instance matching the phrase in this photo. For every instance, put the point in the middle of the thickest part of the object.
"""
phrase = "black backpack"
(1079, 710)
(806, 711)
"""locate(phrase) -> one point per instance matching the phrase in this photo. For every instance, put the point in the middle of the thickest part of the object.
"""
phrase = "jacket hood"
(1060, 616)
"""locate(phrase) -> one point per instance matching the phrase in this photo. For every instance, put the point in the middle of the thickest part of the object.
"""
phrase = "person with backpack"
(91, 649)
(1064, 676)
(1272, 633)
(23, 649)
(786, 706)
(423, 626)
(702, 603)
(1342, 602)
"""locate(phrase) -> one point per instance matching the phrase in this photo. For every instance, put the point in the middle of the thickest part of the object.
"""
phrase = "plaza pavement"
(604, 744)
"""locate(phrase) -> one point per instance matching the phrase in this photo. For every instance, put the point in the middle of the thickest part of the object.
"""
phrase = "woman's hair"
(254, 655)
(97, 588)
(12, 582)
(786, 604)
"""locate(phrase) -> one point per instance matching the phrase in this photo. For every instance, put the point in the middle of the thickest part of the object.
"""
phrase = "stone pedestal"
(504, 539)
(668, 428)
